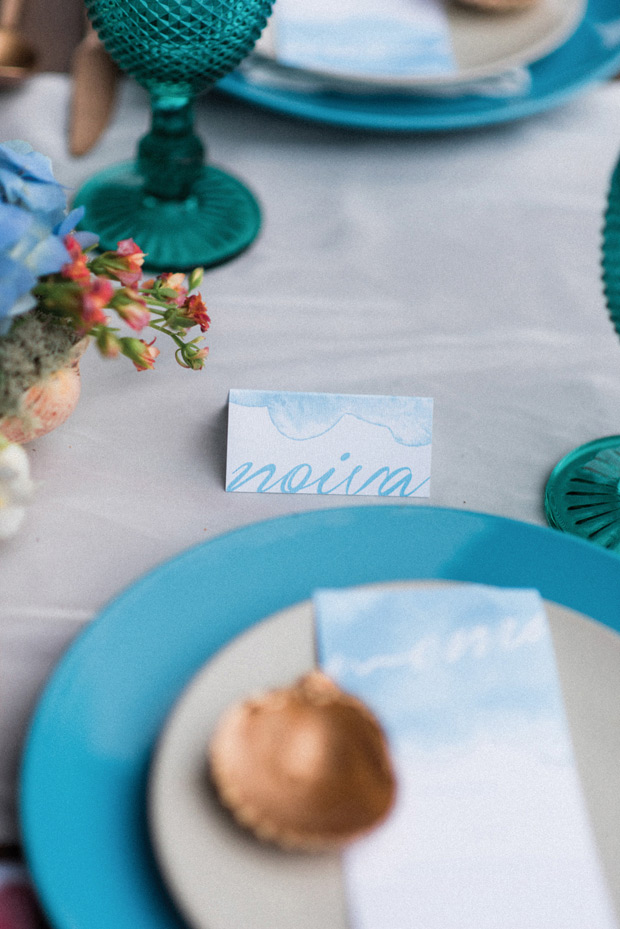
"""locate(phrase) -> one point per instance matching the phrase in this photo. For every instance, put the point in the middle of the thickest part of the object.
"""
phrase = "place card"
(393, 38)
(312, 443)
(490, 827)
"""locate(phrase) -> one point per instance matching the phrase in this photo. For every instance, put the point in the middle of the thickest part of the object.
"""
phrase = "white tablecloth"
(463, 267)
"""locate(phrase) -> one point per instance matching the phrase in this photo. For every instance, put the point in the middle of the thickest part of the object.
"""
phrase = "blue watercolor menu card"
(490, 829)
(311, 443)
(393, 38)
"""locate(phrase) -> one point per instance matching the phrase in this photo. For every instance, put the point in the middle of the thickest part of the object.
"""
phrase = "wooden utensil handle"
(10, 13)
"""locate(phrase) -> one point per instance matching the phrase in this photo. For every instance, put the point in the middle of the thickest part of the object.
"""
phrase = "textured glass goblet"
(583, 492)
(182, 212)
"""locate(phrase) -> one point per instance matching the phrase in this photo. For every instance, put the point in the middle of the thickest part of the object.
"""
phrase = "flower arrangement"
(54, 291)
(57, 294)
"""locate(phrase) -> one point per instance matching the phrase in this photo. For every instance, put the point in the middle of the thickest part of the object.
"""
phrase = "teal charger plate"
(85, 765)
(591, 54)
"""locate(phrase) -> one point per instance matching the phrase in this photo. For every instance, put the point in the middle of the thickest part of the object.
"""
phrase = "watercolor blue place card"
(365, 38)
(311, 443)
(490, 827)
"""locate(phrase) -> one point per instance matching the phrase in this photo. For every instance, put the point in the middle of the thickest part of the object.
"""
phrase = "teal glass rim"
(582, 494)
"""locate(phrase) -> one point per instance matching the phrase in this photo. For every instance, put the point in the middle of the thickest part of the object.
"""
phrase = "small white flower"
(16, 487)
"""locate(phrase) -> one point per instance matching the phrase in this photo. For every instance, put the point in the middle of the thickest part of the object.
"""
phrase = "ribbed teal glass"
(583, 492)
(180, 211)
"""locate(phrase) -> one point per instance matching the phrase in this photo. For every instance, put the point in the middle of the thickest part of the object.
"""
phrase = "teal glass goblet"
(583, 492)
(181, 211)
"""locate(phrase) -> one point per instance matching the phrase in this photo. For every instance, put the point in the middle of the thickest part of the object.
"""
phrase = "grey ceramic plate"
(484, 44)
(221, 878)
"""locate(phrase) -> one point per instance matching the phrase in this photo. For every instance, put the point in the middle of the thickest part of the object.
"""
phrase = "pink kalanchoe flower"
(197, 359)
(142, 354)
(175, 281)
(94, 298)
(134, 259)
(76, 269)
(194, 308)
(124, 265)
(131, 307)
(109, 346)
(149, 355)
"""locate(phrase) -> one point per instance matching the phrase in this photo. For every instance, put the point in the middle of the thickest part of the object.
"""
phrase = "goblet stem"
(181, 212)
(171, 156)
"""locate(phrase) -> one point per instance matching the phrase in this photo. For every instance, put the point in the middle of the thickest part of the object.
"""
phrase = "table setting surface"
(586, 49)
(459, 266)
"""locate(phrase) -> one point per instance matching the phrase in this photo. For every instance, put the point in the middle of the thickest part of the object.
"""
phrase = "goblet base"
(216, 222)
(583, 493)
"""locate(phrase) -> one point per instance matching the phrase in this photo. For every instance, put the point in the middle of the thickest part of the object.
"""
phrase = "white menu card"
(391, 38)
(311, 443)
(490, 829)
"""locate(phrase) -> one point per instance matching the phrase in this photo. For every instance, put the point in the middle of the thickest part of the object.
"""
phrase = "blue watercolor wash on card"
(329, 444)
(365, 46)
(439, 665)
(308, 415)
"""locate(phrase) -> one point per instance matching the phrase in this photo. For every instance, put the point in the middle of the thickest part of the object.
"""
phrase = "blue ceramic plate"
(87, 756)
(591, 54)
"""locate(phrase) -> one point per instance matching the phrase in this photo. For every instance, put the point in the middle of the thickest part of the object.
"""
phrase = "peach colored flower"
(124, 265)
(131, 269)
(109, 346)
(142, 354)
(175, 282)
(94, 298)
(149, 355)
(197, 359)
(194, 308)
(76, 269)
(131, 307)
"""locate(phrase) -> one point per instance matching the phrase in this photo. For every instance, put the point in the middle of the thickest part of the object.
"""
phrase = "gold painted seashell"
(305, 766)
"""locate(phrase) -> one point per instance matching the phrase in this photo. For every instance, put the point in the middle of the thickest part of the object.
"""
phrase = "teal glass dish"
(582, 495)
(180, 210)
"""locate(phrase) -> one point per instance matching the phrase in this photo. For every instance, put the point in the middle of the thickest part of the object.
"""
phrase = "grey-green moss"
(36, 345)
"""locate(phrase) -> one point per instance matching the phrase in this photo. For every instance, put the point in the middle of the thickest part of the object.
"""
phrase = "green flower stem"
(169, 332)
(179, 361)
(153, 301)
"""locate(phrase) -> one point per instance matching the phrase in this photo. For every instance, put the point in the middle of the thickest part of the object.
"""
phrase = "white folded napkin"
(262, 72)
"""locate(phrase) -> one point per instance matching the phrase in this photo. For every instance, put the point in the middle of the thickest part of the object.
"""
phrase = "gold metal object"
(95, 78)
(18, 57)
(305, 766)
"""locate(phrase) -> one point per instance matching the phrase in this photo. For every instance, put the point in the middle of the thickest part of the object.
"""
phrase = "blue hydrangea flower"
(33, 224)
